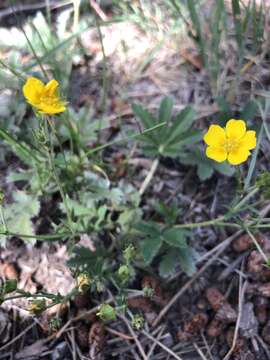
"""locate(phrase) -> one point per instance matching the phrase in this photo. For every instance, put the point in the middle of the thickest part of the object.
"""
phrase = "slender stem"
(14, 72)
(104, 69)
(257, 245)
(149, 176)
(135, 136)
(58, 182)
(40, 237)
(29, 42)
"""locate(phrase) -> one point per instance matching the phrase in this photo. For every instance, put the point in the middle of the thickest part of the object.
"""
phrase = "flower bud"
(37, 306)
(106, 312)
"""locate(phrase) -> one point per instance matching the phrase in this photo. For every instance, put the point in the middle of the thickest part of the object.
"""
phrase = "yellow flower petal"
(51, 87)
(52, 109)
(218, 154)
(249, 140)
(215, 136)
(235, 129)
(238, 156)
(32, 90)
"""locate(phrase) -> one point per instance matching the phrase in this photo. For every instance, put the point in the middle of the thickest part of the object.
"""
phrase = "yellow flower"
(44, 98)
(232, 143)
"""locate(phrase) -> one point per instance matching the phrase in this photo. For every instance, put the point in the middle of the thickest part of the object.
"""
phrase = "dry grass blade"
(162, 345)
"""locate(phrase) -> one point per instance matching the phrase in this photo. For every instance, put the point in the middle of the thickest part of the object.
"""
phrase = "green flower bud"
(148, 292)
(124, 273)
(37, 306)
(106, 312)
(129, 253)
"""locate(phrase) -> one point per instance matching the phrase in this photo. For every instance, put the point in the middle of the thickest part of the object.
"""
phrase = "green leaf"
(182, 122)
(165, 109)
(18, 215)
(224, 168)
(176, 237)
(148, 228)
(23, 151)
(149, 248)
(204, 171)
(144, 115)
(168, 264)
(187, 261)
(205, 166)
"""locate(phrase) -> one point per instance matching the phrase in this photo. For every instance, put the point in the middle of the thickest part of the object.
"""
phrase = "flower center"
(231, 145)
(49, 100)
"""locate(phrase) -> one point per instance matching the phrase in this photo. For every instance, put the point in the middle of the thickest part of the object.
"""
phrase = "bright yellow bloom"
(232, 143)
(44, 98)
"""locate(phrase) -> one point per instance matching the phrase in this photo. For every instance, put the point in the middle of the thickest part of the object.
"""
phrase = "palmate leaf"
(150, 248)
(165, 110)
(186, 260)
(86, 260)
(205, 166)
(168, 263)
(176, 237)
(176, 133)
(182, 123)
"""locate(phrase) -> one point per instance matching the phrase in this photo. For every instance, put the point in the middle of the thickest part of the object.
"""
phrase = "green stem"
(14, 72)
(58, 183)
(135, 136)
(40, 237)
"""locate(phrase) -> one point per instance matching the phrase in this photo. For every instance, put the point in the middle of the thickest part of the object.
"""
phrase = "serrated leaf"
(149, 248)
(85, 259)
(148, 228)
(175, 237)
(165, 109)
(187, 261)
(168, 264)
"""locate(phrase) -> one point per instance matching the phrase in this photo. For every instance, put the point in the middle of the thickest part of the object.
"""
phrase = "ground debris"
(96, 339)
(192, 327)
(244, 242)
(248, 323)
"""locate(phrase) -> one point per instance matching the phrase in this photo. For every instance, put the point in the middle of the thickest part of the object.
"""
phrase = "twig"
(98, 10)
(18, 336)
(132, 332)
(162, 345)
(118, 333)
(149, 176)
(195, 277)
(154, 343)
(199, 351)
(207, 346)
(242, 290)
